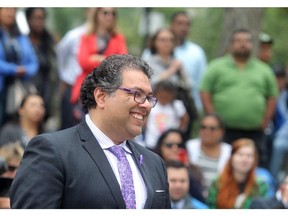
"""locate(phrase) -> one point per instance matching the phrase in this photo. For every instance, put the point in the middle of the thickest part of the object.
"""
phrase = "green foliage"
(129, 19)
(275, 24)
(206, 28)
(60, 20)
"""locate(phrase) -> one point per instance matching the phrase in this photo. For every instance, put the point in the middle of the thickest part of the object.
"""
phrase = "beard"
(242, 54)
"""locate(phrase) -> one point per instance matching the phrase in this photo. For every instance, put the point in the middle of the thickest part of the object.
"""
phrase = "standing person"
(193, 60)
(165, 66)
(277, 139)
(190, 54)
(243, 91)
(17, 57)
(46, 80)
(265, 52)
(80, 160)
(237, 184)
(69, 68)
(100, 40)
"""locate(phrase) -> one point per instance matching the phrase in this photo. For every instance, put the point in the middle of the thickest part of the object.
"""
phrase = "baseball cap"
(265, 38)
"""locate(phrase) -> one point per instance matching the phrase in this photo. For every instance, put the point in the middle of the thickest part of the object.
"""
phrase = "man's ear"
(100, 97)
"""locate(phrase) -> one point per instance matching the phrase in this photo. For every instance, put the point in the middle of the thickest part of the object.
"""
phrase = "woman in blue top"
(17, 57)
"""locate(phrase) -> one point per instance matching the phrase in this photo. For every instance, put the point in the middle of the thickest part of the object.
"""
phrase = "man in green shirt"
(242, 90)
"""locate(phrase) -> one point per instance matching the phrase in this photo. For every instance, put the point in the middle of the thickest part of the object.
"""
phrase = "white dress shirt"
(67, 50)
(105, 143)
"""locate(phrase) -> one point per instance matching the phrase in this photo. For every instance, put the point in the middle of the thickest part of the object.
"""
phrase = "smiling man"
(95, 164)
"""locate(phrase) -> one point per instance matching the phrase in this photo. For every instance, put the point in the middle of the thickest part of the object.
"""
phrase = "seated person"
(178, 178)
(237, 185)
(28, 123)
(170, 146)
(11, 155)
(208, 152)
(279, 201)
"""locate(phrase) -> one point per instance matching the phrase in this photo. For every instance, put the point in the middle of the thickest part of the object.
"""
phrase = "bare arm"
(269, 112)
(207, 102)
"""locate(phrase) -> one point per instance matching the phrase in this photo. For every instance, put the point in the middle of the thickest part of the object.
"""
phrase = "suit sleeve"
(39, 181)
(167, 202)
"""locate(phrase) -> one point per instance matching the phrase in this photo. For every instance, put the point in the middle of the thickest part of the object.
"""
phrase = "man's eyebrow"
(141, 90)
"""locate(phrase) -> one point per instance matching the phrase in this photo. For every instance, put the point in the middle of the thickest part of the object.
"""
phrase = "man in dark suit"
(75, 168)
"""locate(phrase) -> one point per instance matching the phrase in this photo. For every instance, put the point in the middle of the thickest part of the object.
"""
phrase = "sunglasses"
(170, 145)
(12, 168)
(211, 128)
(106, 13)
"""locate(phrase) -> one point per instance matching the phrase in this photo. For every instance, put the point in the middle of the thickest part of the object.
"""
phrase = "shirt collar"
(104, 141)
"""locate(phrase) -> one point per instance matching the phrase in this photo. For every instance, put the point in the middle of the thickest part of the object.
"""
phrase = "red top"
(88, 47)
(183, 156)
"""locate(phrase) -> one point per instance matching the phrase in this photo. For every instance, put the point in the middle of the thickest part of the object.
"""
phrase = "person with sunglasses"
(10, 157)
(95, 164)
(170, 147)
(209, 152)
(101, 39)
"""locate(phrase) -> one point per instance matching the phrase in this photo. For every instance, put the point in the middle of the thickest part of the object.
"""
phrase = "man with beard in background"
(242, 90)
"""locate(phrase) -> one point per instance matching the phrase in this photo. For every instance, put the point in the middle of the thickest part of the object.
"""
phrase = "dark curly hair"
(108, 76)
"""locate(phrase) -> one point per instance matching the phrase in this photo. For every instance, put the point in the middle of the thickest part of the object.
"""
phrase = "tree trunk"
(237, 18)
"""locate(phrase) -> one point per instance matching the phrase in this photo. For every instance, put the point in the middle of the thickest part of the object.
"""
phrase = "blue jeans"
(280, 148)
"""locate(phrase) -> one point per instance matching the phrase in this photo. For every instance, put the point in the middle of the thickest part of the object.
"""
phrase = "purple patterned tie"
(126, 176)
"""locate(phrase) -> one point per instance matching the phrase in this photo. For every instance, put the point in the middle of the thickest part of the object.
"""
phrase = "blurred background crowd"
(220, 76)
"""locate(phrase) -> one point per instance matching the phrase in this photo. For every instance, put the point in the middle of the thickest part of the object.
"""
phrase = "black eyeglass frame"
(140, 100)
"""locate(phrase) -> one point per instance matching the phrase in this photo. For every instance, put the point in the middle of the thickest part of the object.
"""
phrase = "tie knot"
(118, 151)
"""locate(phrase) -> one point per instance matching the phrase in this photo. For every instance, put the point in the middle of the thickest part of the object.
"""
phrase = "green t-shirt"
(239, 95)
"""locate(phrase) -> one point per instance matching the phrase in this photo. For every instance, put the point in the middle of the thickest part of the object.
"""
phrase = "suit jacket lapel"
(95, 151)
(144, 172)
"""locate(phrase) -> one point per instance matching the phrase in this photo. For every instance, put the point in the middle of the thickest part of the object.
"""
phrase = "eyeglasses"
(170, 145)
(165, 39)
(211, 128)
(106, 13)
(12, 168)
(140, 97)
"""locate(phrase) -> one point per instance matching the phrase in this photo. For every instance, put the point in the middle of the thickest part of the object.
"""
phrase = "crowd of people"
(206, 134)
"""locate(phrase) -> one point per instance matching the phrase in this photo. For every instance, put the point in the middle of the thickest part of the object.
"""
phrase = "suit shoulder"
(57, 137)
(59, 133)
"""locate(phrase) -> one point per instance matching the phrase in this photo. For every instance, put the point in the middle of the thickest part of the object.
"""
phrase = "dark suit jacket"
(68, 169)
